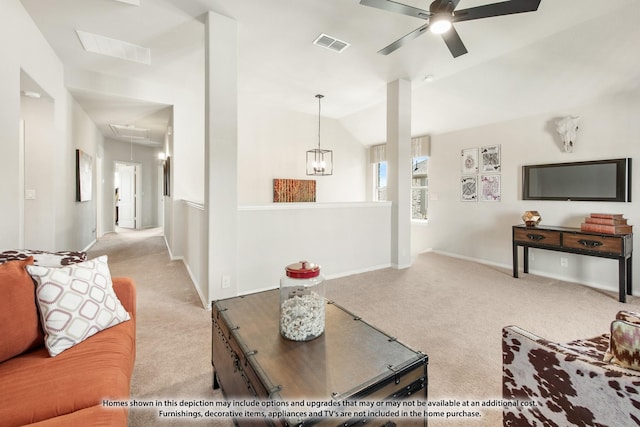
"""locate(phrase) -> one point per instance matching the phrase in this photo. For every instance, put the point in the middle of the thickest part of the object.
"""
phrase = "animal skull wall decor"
(567, 127)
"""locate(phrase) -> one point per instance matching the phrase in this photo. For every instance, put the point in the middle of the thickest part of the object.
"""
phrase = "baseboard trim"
(90, 245)
(545, 274)
(357, 271)
(196, 285)
(171, 256)
(472, 259)
(400, 266)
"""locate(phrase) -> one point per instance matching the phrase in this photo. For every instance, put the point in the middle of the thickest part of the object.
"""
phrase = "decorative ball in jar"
(302, 302)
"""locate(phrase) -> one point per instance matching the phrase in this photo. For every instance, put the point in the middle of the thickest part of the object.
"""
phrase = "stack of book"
(606, 223)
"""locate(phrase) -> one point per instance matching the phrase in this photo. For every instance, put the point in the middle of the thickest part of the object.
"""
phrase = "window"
(419, 188)
(381, 181)
(420, 149)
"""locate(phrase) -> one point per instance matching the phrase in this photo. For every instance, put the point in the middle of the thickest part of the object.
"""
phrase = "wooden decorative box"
(351, 361)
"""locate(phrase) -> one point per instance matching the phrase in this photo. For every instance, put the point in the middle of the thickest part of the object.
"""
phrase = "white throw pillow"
(76, 301)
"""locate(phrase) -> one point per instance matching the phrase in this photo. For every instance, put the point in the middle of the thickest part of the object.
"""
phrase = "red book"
(606, 229)
(606, 221)
(606, 215)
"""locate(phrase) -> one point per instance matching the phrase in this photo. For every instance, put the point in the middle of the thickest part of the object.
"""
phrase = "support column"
(399, 170)
(221, 154)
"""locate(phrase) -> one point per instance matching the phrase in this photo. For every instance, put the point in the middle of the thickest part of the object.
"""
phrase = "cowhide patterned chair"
(591, 382)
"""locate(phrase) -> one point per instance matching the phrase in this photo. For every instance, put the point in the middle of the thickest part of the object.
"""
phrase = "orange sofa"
(69, 389)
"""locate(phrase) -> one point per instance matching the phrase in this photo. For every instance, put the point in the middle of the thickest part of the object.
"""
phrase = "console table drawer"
(541, 237)
(603, 244)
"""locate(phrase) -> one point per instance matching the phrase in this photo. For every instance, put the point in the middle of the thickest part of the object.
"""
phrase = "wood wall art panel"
(294, 190)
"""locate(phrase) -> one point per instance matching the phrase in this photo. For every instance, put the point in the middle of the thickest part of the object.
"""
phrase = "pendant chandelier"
(319, 161)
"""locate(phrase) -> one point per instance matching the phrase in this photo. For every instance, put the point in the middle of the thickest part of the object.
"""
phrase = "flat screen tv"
(598, 180)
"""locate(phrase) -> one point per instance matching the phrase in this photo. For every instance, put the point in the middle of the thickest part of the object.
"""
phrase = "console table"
(575, 241)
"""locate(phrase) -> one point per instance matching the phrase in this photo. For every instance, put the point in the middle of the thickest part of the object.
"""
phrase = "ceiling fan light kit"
(442, 15)
(440, 24)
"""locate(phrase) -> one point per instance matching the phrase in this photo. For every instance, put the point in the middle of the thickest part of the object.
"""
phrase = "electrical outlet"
(226, 282)
(564, 262)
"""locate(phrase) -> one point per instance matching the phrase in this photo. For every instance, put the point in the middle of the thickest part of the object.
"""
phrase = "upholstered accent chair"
(569, 384)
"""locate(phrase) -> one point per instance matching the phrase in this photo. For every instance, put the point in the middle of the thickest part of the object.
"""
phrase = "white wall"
(38, 151)
(344, 238)
(482, 231)
(272, 143)
(28, 51)
(80, 226)
(55, 221)
(193, 225)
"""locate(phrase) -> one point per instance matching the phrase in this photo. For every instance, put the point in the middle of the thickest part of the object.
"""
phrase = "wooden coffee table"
(351, 361)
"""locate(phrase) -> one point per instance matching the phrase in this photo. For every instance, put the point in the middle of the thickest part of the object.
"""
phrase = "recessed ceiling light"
(115, 48)
(331, 43)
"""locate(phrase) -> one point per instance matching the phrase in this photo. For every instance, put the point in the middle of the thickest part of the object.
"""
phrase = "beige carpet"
(452, 310)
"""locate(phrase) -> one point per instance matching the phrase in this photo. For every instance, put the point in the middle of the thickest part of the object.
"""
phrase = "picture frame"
(469, 161)
(294, 190)
(490, 190)
(166, 175)
(469, 188)
(490, 161)
(84, 176)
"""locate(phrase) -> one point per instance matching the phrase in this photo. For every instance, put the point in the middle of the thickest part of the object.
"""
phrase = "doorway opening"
(127, 201)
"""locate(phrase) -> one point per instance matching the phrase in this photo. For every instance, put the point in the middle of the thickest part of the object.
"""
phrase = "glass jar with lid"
(302, 303)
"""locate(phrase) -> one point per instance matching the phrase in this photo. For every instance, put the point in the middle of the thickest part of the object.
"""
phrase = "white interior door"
(127, 196)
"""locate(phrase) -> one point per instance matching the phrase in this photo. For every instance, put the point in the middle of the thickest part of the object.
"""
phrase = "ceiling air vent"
(130, 132)
(331, 43)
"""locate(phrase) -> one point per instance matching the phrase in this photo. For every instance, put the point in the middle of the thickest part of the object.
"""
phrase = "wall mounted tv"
(598, 180)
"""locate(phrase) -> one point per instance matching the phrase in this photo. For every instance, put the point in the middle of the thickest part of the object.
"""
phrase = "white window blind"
(420, 147)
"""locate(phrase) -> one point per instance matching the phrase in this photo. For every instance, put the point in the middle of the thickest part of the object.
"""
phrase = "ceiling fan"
(442, 14)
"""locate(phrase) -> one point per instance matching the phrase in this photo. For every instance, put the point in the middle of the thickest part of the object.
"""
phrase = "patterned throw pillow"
(76, 302)
(44, 258)
(624, 346)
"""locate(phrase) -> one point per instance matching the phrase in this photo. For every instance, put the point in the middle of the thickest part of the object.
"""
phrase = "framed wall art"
(469, 161)
(294, 190)
(490, 188)
(490, 159)
(84, 176)
(166, 175)
(469, 189)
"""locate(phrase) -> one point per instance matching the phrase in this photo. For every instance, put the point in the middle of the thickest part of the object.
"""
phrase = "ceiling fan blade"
(404, 40)
(454, 43)
(440, 5)
(496, 9)
(392, 6)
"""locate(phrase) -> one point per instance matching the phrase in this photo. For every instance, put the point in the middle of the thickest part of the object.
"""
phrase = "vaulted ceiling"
(566, 53)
